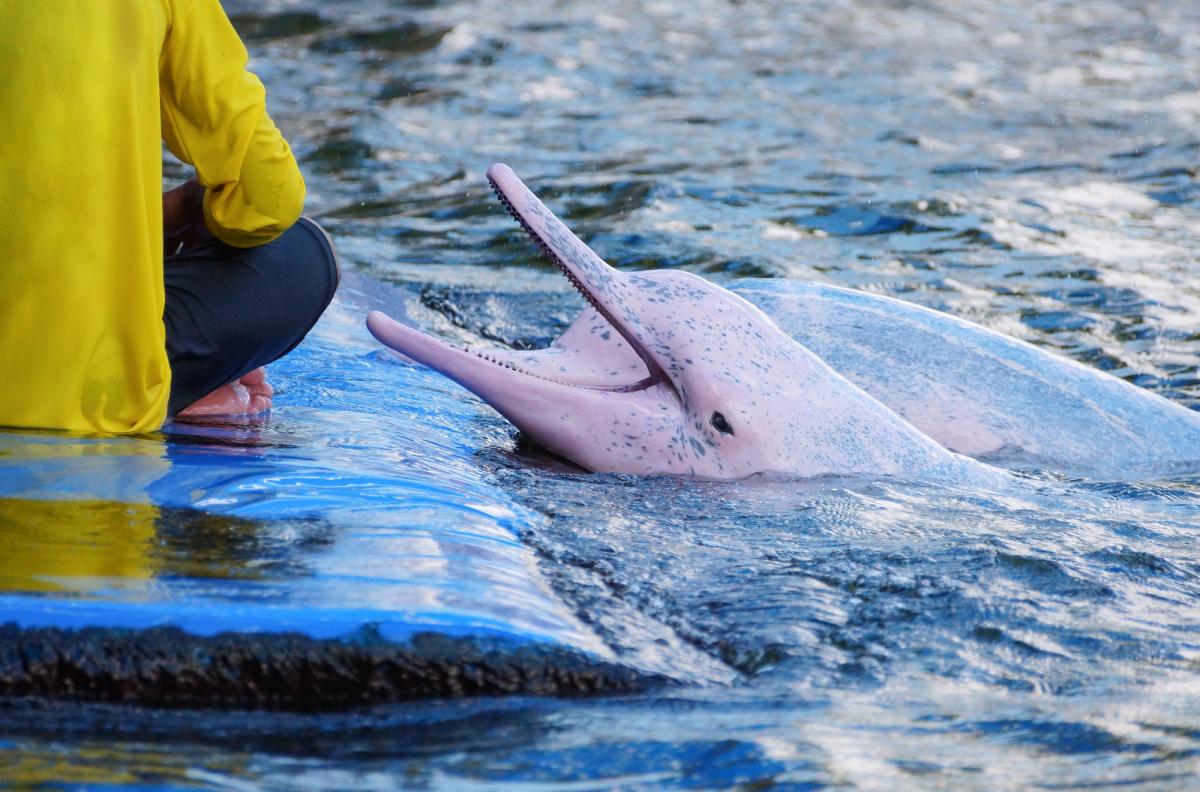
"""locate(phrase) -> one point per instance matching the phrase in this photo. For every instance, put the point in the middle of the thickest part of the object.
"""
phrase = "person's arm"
(183, 217)
(214, 117)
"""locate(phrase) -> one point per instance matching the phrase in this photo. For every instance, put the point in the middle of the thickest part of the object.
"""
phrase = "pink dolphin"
(713, 388)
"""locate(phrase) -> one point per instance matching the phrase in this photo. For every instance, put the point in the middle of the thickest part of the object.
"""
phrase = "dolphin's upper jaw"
(599, 283)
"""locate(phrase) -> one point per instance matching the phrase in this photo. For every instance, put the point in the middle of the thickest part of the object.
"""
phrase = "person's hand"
(183, 217)
(248, 395)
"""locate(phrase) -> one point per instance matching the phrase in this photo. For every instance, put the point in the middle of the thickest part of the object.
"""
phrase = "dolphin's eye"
(720, 424)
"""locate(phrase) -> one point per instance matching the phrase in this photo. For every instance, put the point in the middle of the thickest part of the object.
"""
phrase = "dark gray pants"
(230, 310)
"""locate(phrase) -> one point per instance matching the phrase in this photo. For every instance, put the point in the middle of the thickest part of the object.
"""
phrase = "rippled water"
(1028, 165)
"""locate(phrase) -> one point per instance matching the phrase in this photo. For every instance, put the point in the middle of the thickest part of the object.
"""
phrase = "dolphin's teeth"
(546, 250)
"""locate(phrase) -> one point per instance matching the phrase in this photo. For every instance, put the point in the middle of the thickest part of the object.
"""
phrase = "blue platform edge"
(375, 456)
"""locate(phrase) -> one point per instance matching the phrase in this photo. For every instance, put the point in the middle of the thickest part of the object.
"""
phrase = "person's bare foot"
(249, 395)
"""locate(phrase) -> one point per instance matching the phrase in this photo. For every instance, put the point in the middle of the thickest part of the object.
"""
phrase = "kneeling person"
(99, 330)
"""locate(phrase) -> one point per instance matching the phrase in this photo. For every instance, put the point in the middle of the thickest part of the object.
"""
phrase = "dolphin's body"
(982, 393)
(713, 387)
(666, 372)
(973, 390)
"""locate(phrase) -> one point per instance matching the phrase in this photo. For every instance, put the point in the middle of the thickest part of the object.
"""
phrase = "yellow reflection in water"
(56, 764)
(80, 767)
(75, 545)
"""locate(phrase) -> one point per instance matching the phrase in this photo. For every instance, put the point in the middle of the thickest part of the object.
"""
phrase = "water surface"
(1029, 165)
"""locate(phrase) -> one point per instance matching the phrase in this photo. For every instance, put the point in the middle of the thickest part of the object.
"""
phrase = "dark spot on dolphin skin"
(700, 450)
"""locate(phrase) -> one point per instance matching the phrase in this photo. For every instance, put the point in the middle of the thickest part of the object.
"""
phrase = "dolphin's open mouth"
(568, 368)
(578, 262)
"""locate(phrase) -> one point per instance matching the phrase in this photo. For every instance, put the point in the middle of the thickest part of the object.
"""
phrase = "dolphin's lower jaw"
(602, 429)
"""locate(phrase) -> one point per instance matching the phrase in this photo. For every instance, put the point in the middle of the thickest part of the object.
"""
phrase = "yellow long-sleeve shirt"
(89, 90)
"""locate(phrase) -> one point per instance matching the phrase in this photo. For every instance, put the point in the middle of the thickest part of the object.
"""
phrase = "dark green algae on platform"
(167, 667)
